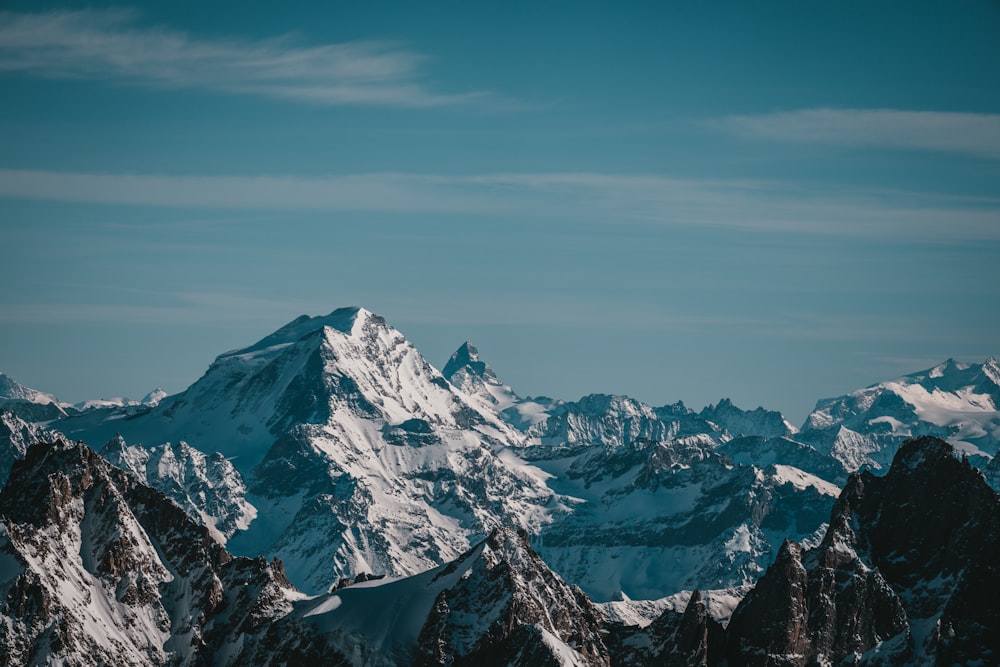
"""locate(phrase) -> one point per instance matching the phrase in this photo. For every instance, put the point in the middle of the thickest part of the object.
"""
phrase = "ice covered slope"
(957, 402)
(207, 486)
(97, 568)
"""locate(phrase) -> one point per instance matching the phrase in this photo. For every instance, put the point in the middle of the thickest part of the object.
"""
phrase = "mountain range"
(410, 515)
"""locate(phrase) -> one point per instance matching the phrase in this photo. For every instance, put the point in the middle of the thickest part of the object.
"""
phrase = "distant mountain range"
(341, 452)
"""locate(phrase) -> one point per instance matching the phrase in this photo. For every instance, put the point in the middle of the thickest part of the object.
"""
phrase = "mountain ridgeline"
(326, 494)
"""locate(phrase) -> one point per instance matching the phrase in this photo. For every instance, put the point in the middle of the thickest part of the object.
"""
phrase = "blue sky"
(774, 203)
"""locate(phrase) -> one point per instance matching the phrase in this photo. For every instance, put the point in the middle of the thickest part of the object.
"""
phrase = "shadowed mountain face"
(909, 570)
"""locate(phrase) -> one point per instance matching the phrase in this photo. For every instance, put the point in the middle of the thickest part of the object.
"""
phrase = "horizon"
(696, 407)
(773, 204)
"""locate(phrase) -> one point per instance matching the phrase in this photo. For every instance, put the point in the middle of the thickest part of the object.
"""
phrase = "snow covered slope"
(496, 604)
(657, 517)
(957, 402)
(16, 435)
(208, 487)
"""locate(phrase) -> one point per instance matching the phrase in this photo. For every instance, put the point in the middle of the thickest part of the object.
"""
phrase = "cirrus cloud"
(111, 45)
(975, 134)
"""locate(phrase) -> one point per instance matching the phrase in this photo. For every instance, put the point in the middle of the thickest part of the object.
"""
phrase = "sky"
(772, 202)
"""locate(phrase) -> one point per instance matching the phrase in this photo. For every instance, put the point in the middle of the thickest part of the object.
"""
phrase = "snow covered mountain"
(97, 568)
(655, 508)
(957, 402)
(737, 422)
(208, 487)
(29, 404)
(638, 476)
(477, 380)
(655, 517)
(120, 403)
(344, 431)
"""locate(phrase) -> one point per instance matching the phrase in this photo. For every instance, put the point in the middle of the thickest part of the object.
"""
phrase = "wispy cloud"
(112, 45)
(567, 197)
(966, 133)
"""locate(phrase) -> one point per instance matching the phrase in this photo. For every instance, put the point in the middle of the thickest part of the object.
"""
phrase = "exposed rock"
(510, 609)
(907, 572)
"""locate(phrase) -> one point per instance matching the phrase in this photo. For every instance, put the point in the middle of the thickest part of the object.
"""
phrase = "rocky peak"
(738, 422)
(902, 573)
(467, 357)
(689, 639)
(510, 608)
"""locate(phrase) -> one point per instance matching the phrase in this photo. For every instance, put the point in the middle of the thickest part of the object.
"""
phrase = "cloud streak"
(556, 197)
(963, 133)
(110, 45)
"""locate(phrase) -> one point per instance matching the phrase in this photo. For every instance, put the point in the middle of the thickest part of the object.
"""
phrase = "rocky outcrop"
(907, 573)
(511, 609)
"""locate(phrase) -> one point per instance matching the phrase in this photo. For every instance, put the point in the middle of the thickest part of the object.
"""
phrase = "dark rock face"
(511, 609)
(907, 573)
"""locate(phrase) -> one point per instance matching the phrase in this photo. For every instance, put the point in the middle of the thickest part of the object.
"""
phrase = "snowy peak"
(737, 422)
(959, 402)
(31, 404)
(344, 320)
(11, 389)
(154, 397)
(97, 568)
(991, 369)
(510, 608)
(467, 357)
(16, 435)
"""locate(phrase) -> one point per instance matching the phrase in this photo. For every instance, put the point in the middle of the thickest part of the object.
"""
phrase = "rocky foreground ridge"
(96, 566)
